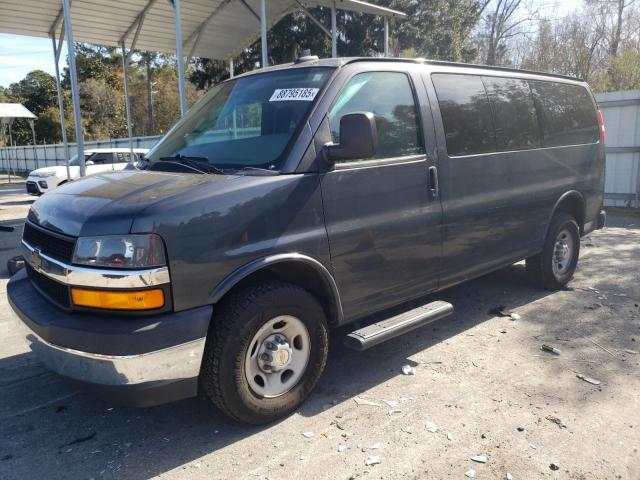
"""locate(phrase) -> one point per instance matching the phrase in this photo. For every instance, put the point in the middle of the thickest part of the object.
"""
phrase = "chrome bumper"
(170, 364)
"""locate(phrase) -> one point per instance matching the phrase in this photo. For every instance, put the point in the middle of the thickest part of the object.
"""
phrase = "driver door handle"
(434, 189)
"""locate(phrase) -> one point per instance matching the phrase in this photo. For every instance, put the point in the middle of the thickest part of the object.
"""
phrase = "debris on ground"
(479, 458)
(554, 467)
(408, 370)
(515, 316)
(590, 380)
(407, 429)
(603, 348)
(520, 429)
(325, 434)
(509, 476)
(307, 434)
(364, 401)
(375, 446)
(372, 460)
(79, 440)
(632, 352)
(342, 448)
(500, 311)
(432, 427)
(471, 473)
(449, 437)
(556, 420)
(550, 349)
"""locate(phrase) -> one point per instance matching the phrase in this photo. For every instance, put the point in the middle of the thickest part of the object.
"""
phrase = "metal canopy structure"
(8, 113)
(215, 29)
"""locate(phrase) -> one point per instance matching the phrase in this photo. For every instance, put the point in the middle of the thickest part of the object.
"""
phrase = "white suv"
(97, 160)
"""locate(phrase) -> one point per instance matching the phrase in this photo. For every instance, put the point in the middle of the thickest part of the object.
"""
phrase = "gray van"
(297, 199)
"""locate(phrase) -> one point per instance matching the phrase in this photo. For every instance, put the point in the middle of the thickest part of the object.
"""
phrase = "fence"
(25, 158)
(621, 111)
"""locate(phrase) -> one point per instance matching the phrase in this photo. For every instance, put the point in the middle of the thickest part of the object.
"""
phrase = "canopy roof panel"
(219, 29)
(14, 110)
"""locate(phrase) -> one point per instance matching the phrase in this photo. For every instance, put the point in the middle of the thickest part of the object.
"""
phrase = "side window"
(514, 113)
(388, 95)
(466, 114)
(101, 158)
(123, 157)
(567, 114)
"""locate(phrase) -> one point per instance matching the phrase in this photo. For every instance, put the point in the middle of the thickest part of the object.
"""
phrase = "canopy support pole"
(263, 33)
(306, 11)
(334, 33)
(74, 86)
(127, 106)
(56, 57)
(180, 55)
(231, 68)
(386, 37)
(35, 145)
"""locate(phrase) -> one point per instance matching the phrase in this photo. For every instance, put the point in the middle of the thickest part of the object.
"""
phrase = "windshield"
(74, 160)
(246, 122)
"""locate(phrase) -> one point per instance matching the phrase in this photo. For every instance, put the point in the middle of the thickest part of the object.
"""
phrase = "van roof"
(338, 62)
(115, 150)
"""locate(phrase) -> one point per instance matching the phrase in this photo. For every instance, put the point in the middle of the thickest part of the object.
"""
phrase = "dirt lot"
(482, 379)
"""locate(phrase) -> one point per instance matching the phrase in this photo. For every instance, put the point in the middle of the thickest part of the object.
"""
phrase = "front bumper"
(131, 360)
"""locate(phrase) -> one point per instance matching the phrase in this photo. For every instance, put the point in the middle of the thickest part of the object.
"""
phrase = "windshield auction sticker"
(288, 94)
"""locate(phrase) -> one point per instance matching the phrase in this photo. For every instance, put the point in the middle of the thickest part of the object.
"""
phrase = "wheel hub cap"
(275, 354)
(562, 253)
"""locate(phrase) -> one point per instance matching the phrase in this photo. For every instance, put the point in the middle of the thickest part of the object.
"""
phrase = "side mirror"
(89, 162)
(358, 138)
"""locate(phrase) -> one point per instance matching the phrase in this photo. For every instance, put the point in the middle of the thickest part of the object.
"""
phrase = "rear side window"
(516, 122)
(466, 114)
(388, 95)
(101, 158)
(567, 114)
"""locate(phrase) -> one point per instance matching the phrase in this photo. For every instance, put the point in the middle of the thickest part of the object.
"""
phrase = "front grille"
(52, 245)
(32, 187)
(57, 292)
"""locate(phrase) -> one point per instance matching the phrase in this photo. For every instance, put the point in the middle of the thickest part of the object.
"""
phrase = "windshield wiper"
(200, 164)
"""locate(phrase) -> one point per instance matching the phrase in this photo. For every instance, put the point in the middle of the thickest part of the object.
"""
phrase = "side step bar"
(371, 335)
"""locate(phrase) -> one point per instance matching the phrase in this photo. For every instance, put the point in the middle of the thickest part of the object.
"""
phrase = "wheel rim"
(563, 252)
(277, 356)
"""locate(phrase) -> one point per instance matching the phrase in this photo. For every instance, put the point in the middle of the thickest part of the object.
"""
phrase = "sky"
(19, 55)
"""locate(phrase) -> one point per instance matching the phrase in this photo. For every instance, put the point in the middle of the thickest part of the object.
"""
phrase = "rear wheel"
(556, 264)
(265, 352)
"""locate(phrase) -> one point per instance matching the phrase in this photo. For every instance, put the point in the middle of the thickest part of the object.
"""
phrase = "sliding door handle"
(434, 188)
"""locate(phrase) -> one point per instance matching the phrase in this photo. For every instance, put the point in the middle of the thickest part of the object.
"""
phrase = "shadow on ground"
(77, 435)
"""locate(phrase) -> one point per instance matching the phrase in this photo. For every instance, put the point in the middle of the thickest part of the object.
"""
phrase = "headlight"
(42, 174)
(120, 251)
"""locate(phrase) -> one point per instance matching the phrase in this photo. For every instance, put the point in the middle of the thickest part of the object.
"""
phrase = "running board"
(371, 335)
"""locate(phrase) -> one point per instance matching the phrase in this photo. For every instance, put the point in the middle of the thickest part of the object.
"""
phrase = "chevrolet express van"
(297, 199)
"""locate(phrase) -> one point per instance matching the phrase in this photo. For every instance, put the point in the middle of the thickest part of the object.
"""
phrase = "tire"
(545, 269)
(241, 324)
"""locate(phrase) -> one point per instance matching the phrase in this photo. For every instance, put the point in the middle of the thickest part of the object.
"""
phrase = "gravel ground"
(482, 379)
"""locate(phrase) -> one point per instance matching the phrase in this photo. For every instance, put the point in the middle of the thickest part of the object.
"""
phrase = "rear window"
(516, 123)
(466, 114)
(567, 114)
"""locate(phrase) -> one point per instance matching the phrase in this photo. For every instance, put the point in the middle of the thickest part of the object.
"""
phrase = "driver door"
(383, 221)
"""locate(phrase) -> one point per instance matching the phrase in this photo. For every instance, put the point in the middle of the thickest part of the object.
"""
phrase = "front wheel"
(555, 265)
(265, 351)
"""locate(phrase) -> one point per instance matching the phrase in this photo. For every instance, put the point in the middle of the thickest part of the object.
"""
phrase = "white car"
(97, 160)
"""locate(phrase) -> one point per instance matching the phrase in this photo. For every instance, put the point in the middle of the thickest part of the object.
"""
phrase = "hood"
(59, 169)
(107, 204)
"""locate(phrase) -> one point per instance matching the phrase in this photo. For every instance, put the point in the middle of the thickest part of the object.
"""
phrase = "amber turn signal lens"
(118, 300)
